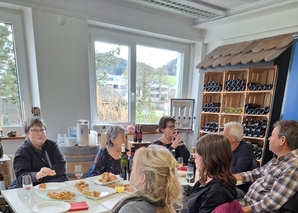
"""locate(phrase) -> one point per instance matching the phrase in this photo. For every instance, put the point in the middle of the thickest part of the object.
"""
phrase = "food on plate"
(65, 195)
(127, 187)
(107, 177)
(42, 186)
(83, 187)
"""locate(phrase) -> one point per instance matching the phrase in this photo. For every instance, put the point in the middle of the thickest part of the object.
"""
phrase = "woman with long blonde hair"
(154, 177)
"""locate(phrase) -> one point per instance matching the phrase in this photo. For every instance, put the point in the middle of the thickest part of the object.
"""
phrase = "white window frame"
(130, 39)
(15, 18)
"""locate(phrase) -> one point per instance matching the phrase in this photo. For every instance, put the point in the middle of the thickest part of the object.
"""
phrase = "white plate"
(51, 207)
(104, 190)
(51, 186)
(94, 179)
(44, 195)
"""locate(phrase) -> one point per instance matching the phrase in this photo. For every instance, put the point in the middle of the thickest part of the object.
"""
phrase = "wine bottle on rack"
(191, 163)
(123, 163)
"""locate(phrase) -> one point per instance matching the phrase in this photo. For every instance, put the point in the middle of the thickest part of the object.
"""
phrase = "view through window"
(10, 107)
(156, 82)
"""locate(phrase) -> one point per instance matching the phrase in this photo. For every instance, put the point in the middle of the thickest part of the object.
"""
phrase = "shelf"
(243, 80)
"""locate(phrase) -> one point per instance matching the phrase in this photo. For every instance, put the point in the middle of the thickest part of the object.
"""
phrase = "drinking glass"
(27, 184)
(78, 171)
(189, 173)
(119, 187)
(62, 139)
(180, 162)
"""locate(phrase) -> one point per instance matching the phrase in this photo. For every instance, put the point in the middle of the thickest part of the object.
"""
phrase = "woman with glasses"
(38, 156)
(171, 139)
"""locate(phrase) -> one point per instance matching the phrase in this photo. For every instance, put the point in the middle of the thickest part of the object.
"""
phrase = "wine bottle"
(140, 134)
(130, 160)
(2, 182)
(123, 163)
(135, 134)
(191, 163)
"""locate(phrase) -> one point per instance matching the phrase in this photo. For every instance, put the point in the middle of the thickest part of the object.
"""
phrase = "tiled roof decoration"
(266, 49)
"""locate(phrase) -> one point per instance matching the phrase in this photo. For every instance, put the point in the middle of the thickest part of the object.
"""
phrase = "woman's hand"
(177, 141)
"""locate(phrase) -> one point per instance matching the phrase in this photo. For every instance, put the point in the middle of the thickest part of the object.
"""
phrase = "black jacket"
(204, 199)
(29, 160)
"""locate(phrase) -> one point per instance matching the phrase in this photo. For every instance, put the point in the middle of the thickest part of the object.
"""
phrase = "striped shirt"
(273, 184)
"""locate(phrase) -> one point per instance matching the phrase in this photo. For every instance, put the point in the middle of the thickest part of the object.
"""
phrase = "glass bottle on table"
(191, 164)
(130, 160)
(123, 163)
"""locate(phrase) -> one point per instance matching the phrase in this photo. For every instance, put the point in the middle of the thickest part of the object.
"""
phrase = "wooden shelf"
(235, 100)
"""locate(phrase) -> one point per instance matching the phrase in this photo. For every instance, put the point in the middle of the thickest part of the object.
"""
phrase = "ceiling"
(204, 11)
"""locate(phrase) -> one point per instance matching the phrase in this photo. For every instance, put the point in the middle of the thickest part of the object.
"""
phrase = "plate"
(50, 186)
(94, 179)
(51, 206)
(43, 194)
(104, 190)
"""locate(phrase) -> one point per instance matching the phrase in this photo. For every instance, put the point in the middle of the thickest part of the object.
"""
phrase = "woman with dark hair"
(171, 139)
(216, 185)
(38, 156)
(107, 158)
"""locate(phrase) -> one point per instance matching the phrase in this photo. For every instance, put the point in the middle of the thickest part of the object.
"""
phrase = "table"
(15, 198)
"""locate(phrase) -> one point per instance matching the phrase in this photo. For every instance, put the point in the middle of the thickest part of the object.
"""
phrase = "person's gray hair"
(35, 121)
(113, 132)
(289, 129)
(235, 129)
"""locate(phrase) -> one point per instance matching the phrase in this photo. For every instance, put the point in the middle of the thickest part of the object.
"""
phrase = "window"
(132, 78)
(11, 45)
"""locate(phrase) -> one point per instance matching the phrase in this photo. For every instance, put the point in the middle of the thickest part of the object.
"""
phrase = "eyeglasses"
(37, 131)
(171, 127)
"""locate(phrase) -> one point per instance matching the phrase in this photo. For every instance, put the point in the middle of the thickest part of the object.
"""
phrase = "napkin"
(184, 168)
(76, 206)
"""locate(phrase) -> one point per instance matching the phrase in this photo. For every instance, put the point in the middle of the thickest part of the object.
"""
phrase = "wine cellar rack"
(244, 96)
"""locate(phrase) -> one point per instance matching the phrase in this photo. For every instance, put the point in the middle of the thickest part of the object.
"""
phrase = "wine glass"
(119, 187)
(27, 184)
(180, 162)
(78, 171)
(189, 173)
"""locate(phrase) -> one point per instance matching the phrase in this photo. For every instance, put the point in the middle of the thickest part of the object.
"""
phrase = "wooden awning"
(266, 49)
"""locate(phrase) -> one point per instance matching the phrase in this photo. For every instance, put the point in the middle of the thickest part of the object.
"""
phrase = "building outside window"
(133, 82)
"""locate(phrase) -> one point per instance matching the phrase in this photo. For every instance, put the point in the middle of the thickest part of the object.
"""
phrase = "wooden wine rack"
(237, 99)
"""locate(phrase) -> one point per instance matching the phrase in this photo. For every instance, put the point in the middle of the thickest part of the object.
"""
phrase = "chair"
(229, 207)
(291, 206)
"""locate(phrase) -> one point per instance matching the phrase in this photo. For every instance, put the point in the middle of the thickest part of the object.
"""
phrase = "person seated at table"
(242, 152)
(274, 183)
(216, 185)
(171, 139)
(154, 177)
(38, 156)
(107, 158)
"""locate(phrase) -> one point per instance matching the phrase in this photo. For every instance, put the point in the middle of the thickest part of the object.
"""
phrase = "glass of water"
(190, 173)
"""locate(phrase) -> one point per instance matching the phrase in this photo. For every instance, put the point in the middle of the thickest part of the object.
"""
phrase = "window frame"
(122, 37)
(16, 19)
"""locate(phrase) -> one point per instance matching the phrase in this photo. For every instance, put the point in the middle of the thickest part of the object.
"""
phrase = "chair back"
(229, 207)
